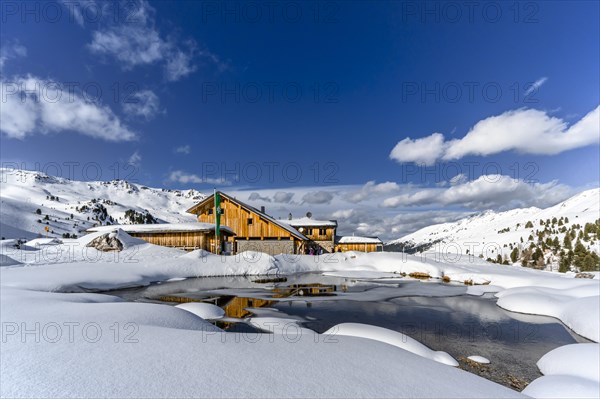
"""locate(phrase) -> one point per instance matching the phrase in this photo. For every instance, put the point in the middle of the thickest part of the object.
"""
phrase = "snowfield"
(60, 340)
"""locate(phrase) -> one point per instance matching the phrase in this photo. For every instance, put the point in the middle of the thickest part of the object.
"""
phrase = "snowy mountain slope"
(490, 233)
(30, 200)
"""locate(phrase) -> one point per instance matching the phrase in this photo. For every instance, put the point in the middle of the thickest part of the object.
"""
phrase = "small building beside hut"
(186, 236)
(357, 243)
(320, 233)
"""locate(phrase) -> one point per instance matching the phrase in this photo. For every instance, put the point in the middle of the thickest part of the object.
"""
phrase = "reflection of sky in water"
(470, 318)
(460, 325)
(438, 315)
(389, 303)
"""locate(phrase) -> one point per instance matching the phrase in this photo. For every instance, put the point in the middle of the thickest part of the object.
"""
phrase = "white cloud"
(371, 189)
(80, 9)
(283, 197)
(486, 192)
(458, 179)
(524, 130)
(425, 150)
(143, 103)
(184, 149)
(387, 226)
(257, 197)
(408, 222)
(53, 111)
(179, 65)
(422, 197)
(527, 131)
(409, 207)
(135, 159)
(179, 176)
(343, 213)
(137, 41)
(504, 192)
(535, 86)
(11, 50)
(279, 197)
(317, 197)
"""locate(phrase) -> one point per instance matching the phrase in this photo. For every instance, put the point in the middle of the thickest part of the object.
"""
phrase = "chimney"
(290, 216)
(262, 209)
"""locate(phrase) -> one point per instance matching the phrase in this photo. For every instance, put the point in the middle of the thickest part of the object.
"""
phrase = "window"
(249, 220)
(322, 232)
(309, 232)
(210, 211)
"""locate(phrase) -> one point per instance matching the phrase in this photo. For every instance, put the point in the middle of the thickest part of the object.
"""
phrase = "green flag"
(217, 216)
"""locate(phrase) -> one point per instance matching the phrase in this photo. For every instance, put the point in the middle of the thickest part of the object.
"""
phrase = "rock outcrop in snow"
(106, 242)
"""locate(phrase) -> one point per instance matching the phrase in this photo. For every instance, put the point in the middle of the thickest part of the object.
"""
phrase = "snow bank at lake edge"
(577, 307)
(391, 337)
(570, 371)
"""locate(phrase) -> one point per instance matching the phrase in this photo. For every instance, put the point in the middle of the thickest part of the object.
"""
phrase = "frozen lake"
(441, 316)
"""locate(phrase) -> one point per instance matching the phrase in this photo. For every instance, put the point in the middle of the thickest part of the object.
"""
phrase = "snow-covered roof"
(359, 240)
(308, 222)
(43, 241)
(160, 228)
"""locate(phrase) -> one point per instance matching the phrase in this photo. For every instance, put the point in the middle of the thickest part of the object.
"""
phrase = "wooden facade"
(320, 233)
(249, 224)
(360, 244)
(238, 306)
(315, 233)
(187, 237)
(254, 230)
(189, 240)
(360, 247)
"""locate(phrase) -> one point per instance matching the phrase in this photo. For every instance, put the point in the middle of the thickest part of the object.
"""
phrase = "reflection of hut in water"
(304, 290)
(236, 307)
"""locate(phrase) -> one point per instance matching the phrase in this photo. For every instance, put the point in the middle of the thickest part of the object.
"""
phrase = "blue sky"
(405, 95)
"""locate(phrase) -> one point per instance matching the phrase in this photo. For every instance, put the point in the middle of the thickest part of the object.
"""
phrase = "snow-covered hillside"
(30, 201)
(497, 233)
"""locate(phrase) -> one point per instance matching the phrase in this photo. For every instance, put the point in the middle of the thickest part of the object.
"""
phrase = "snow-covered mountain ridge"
(30, 201)
(490, 233)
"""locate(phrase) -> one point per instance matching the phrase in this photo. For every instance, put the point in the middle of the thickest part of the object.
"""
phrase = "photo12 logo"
(211, 11)
(468, 92)
(444, 172)
(269, 92)
(271, 12)
(470, 12)
(51, 91)
(71, 11)
(69, 332)
(71, 170)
